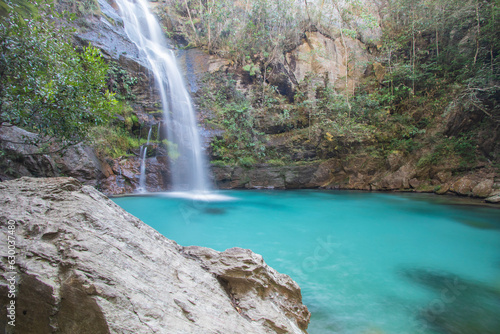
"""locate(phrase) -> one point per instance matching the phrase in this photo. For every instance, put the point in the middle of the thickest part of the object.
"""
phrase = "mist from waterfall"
(187, 163)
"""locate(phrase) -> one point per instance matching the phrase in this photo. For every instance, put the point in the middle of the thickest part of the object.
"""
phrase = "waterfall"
(185, 153)
(149, 135)
(158, 139)
(142, 177)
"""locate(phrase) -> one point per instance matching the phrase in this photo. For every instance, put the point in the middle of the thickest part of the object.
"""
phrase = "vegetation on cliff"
(302, 81)
(430, 89)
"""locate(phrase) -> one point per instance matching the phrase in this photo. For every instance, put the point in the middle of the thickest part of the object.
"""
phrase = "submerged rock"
(84, 265)
(461, 306)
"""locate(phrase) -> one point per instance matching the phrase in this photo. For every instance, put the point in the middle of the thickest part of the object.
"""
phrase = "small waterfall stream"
(185, 153)
(142, 177)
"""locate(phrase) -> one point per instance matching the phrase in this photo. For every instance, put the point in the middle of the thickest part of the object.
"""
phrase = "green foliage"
(465, 147)
(120, 82)
(277, 162)
(24, 8)
(433, 52)
(252, 69)
(80, 8)
(109, 141)
(261, 29)
(332, 118)
(240, 143)
(47, 86)
(445, 149)
(435, 44)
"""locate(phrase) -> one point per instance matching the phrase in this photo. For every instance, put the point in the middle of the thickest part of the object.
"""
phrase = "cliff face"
(319, 64)
(362, 172)
(84, 265)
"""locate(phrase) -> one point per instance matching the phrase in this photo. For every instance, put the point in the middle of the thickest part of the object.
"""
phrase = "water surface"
(366, 262)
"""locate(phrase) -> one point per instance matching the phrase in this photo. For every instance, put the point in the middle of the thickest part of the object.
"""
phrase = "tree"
(22, 7)
(446, 41)
(47, 86)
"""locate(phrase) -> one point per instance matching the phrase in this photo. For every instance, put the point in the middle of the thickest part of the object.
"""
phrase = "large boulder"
(84, 265)
(483, 189)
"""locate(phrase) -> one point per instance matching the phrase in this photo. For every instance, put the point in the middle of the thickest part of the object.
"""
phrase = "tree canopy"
(47, 85)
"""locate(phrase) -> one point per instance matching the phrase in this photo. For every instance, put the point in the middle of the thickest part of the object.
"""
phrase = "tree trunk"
(307, 11)
(192, 24)
(478, 31)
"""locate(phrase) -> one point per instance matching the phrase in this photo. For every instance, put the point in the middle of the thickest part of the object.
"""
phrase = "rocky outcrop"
(84, 265)
(112, 177)
(247, 280)
(21, 159)
(361, 172)
(265, 176)
(321, 57)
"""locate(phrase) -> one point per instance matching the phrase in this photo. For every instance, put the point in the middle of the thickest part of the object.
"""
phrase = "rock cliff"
(84, 265)
(325, 159)
(360, 173)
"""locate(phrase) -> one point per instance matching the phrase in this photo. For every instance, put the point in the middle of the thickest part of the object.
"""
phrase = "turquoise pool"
(366, 262)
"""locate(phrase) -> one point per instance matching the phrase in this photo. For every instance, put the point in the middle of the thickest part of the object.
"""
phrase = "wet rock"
(84, 265)
(265, 176)
(359, 181)
(399, 179)
(443, 189)
(460, 307)
(157, 174)
(126, 175)
(395, 160)
(415, 183)
(443, 176)
(107, 33)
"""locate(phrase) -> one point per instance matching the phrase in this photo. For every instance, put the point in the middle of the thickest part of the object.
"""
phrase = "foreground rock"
(84, 265)
(248, 280)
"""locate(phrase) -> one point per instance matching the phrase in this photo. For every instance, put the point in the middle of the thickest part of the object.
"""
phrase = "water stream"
(142, 176)
(185, 152)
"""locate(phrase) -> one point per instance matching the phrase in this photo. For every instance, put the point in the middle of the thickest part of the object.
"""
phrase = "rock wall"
(362, 172)
(321, 57)
(84, 265)
(20, 159)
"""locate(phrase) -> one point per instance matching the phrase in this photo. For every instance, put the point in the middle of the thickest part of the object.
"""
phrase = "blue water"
(366, 262)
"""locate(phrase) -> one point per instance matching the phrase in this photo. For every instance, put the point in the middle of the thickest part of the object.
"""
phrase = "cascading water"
(185, 153)
(142, 177)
